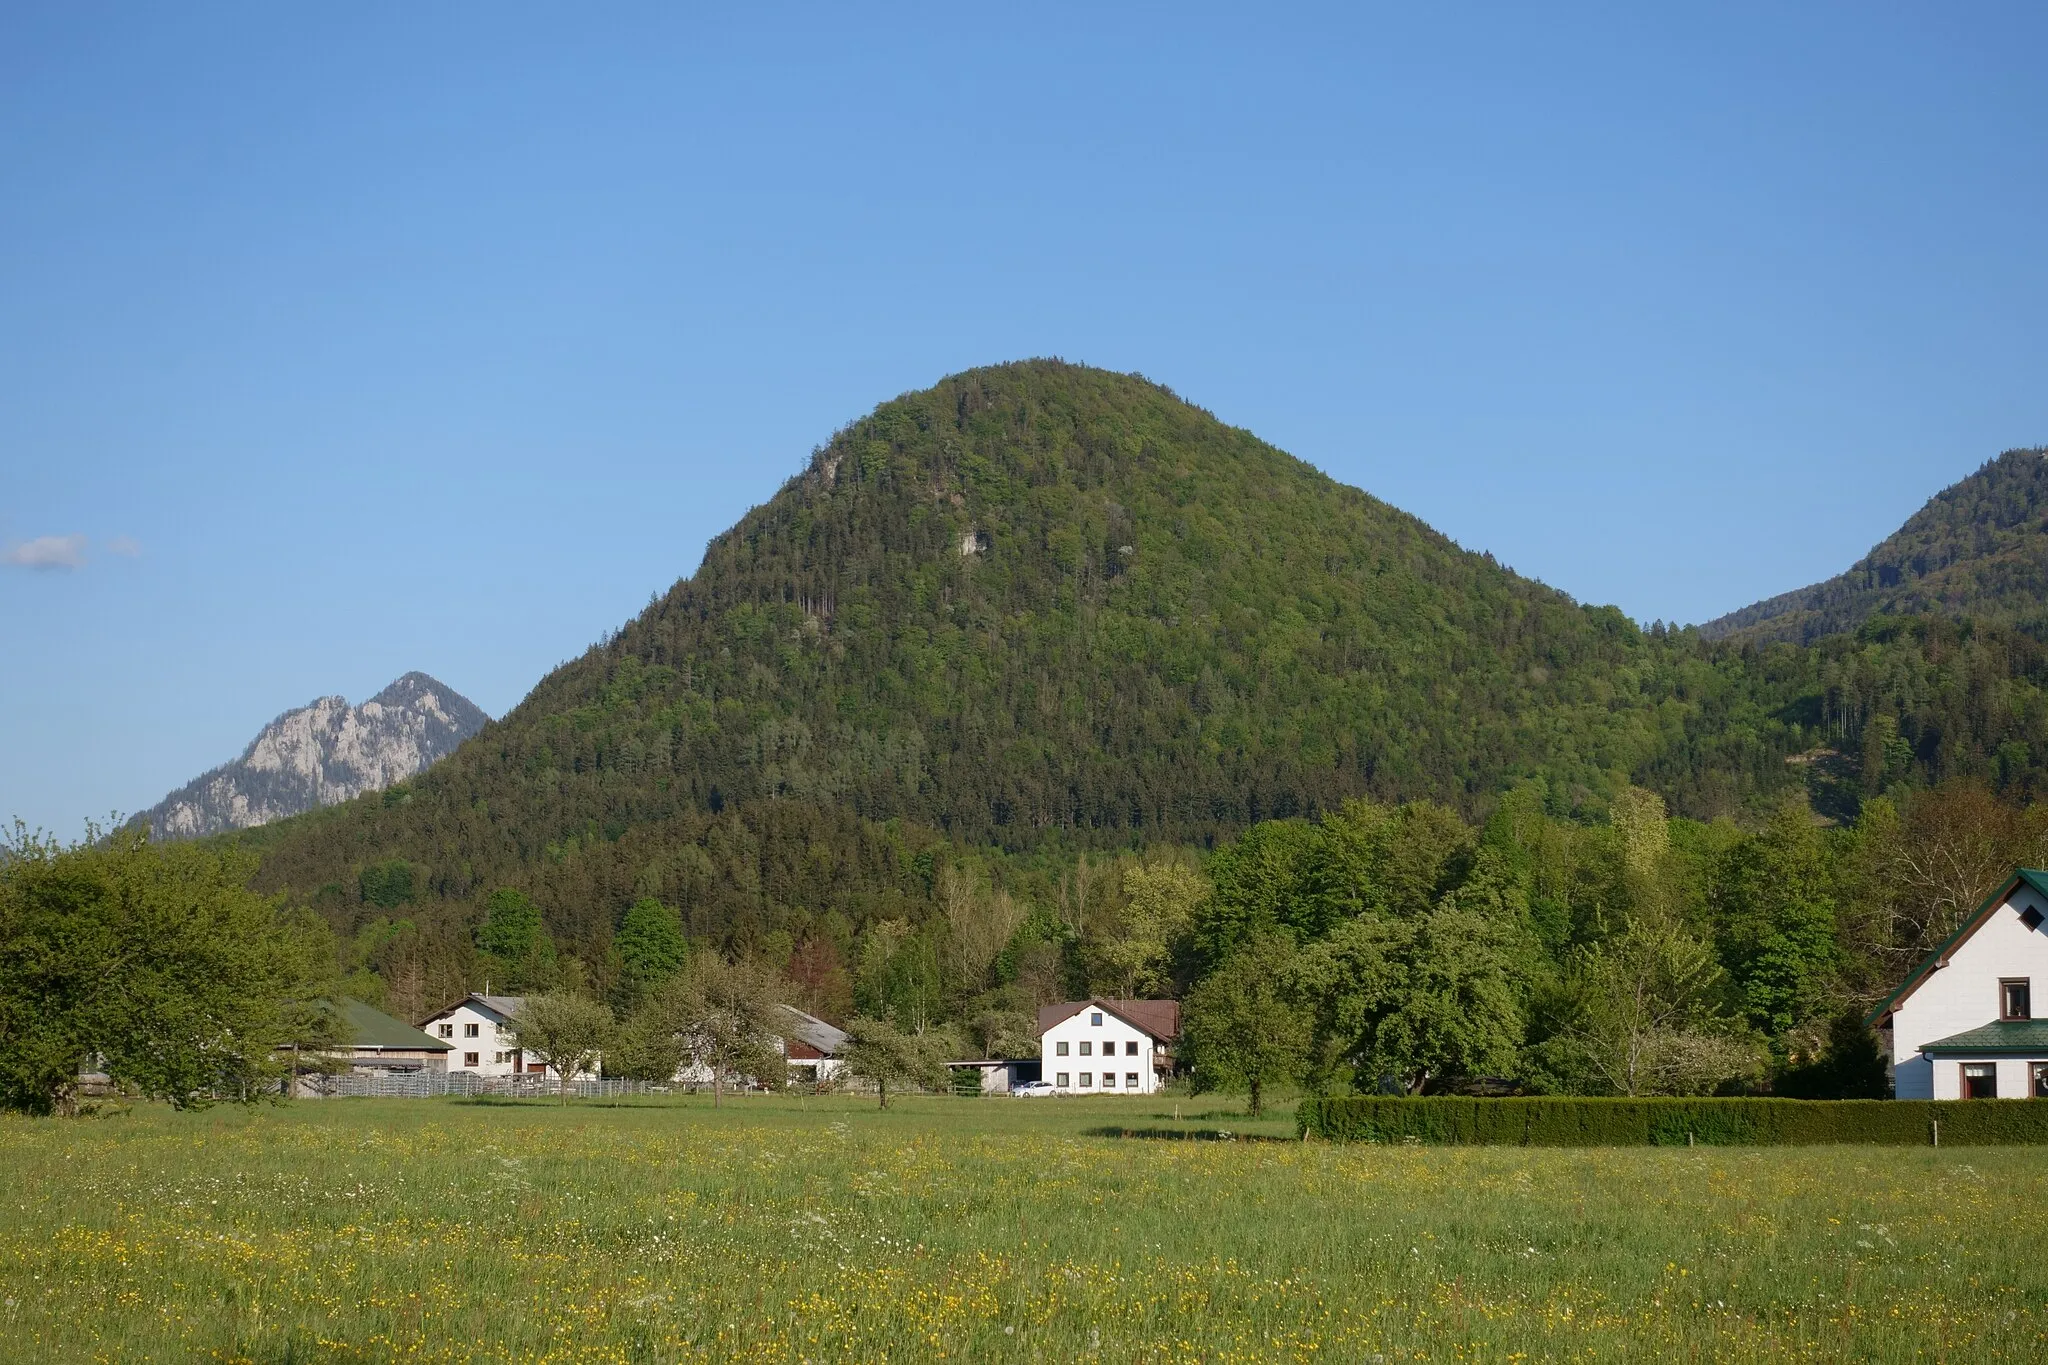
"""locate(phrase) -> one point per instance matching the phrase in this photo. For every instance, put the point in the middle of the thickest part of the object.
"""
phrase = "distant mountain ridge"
(1979, 548)
(320, 754)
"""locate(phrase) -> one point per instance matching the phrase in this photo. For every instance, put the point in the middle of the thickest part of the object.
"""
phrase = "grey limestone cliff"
(319, 754)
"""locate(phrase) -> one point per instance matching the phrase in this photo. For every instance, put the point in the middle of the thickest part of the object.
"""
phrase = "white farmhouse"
(1110, 1047)
(478, 1031)
(1962, 1025)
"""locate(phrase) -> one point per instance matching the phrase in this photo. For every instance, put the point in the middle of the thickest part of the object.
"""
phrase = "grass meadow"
(786, 1229)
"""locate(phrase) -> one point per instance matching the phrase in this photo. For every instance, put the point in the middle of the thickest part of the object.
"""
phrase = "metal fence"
(419, 1085)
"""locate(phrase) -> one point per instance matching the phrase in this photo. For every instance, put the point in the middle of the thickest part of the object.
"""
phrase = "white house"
(478, 1031)
(1110, 1047)
(1962, 1026)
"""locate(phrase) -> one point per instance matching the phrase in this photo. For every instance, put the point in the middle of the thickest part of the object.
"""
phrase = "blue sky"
(336, 344)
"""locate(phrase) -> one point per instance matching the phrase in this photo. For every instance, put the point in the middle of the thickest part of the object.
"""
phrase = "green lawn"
(786, 1229)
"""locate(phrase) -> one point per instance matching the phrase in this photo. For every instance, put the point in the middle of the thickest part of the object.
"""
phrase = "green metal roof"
(2030, 876)
(374, 1028)
(2010, 1037)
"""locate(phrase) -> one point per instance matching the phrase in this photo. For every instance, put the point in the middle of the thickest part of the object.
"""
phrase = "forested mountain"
(1039, 609)
(1978, 549)
(321, 753)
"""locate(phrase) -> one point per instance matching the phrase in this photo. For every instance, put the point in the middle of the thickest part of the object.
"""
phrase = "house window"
(469, 1059)
(1109, 1079)
(1087, 1079)
(2015, 998)
(1096, 1019)
(1131, 1080)
(1131, 1048)
(1061, 1080)
(1059, 1049)
(1085, 1045)
(1980, 1080)
(447, 1030)
(2037, 1080)
(469, 1030)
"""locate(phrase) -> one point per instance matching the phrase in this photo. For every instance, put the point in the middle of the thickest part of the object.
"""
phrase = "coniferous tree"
(518, 952)
(650, 945)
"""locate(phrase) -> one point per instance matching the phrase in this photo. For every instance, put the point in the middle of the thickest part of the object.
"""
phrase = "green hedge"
(1560, 1121)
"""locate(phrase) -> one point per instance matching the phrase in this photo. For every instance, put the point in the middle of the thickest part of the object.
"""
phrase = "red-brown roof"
(1160, 1018)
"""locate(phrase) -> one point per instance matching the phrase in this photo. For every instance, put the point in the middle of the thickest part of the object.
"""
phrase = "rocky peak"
(320, 753)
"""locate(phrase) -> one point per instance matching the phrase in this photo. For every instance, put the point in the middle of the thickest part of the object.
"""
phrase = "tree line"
(1377, 948)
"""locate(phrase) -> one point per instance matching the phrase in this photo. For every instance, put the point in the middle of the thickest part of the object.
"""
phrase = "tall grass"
(784, 1230)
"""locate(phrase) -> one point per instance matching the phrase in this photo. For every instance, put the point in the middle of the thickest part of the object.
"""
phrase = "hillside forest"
(1044, 681)
(1640, 954)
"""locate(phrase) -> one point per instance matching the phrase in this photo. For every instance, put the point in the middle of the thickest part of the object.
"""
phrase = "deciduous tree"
(1647, 1017)
(567, 1032)
(1242, 1027)
(1133, 951)
(877, 1051)
(518, 953)
(156, 962)
(728, 1017)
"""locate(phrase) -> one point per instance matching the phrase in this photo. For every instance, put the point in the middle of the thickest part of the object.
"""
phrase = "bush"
(157, 961)
(1583, 1122)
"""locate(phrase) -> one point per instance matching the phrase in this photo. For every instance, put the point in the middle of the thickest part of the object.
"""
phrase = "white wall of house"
(1096, 1053)
(1945, 1074)
(1965, 995)
(805, 1070)
(479, 1042)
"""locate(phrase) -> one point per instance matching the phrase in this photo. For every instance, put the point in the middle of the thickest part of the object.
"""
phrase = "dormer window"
(2015, 998)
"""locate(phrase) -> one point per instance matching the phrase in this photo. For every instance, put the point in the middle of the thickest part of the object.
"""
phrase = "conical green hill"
(1034, 601)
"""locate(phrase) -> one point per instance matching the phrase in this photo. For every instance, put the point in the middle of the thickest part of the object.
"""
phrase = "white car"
(1032, 1090)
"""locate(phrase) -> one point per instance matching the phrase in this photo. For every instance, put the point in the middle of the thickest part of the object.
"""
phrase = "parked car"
(1031, 1090)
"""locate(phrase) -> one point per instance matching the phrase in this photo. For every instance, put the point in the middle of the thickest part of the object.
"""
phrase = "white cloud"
(125, 545)
(46, 552)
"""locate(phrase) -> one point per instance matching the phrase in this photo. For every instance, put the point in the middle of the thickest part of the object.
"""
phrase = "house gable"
(2032, 878)
(1967, 1014)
